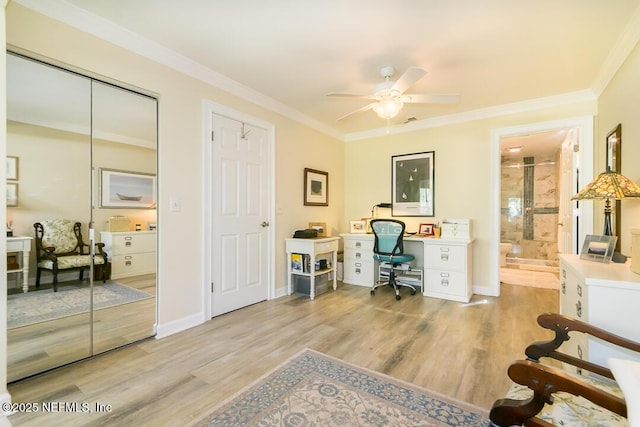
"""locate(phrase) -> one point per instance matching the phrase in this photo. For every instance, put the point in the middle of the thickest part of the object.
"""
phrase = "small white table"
(21, 244)
(315, 248)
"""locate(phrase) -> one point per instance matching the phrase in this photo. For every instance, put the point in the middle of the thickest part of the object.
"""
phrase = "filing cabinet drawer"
(134, 243)
(446, 257)
(358, 272)
(446, 282)
(358, 245)
(133, 264)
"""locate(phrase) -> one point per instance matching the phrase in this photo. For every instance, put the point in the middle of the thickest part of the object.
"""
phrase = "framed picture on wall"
(613, 158)
(412, 184)
(12, 168)
(316, 188)
(12, 194)
(124, 189)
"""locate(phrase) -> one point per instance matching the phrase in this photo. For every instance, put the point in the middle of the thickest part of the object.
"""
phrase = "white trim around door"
(209, 108)
(584, 126)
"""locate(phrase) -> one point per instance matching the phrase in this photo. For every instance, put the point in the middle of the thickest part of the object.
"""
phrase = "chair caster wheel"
(413, 292)
(373, 292)
(398, 297)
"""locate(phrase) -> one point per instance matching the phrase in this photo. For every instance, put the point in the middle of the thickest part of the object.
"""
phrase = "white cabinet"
(358, 263)
(323, 250)
(447, 266)
(131, 252)
(604, 295)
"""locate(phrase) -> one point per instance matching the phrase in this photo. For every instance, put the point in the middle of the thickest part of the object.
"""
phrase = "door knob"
(264, 223)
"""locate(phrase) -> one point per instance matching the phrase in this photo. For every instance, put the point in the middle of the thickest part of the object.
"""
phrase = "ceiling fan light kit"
(389, 97)
(388, 109)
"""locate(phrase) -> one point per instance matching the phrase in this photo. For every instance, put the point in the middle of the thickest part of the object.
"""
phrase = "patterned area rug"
(313, 389)
(40, 306)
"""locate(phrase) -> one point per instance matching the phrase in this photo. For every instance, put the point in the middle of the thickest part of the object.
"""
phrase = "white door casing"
(567, 229)
(238, 249)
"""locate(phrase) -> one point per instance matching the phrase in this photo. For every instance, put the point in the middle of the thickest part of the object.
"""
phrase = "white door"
(566, 221)
(240, 209)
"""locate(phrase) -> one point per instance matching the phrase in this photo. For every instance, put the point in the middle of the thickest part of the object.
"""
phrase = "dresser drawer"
(133, 243)
(445, 257)
(133, 264)
(446, 282)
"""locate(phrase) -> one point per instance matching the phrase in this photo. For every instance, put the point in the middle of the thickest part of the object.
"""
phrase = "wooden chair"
(59, 246)
(549, 395)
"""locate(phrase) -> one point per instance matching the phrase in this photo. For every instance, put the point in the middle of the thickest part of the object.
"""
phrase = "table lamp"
(609, 185)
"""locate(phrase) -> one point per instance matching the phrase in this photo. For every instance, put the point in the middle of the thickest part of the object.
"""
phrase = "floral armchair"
(59, 246)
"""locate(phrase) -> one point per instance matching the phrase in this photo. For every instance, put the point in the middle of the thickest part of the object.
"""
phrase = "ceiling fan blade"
(359, 110)
(349, 95)
(431, 99)
(412, 75)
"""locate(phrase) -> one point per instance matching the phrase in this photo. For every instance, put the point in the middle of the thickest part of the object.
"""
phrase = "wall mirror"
(73, 137)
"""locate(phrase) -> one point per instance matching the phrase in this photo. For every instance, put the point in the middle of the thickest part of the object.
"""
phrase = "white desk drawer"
(133, 264)
(445, 257)
(323, 247)
(358, 272)
(133, 243)
(358, 244)
(446, 282)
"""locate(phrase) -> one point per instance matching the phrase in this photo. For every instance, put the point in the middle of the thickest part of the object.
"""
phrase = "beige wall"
(620, 103)
(180, 171)
(463, 175)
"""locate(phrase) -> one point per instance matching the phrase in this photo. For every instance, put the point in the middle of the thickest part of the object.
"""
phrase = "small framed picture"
(358, 226)
(426, 229)
(12, 168)
(12, 194)
(316, 187)
(598, 248)
(320, 227)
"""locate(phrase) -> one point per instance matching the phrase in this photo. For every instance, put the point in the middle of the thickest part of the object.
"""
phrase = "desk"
(320, 248)
(21, 244)
(447, 264)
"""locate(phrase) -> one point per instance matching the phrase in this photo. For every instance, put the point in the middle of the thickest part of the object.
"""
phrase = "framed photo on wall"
(412, 184)
(613, 158)
(316, 188)
(12, 168)
(124, 189)
(12, 194)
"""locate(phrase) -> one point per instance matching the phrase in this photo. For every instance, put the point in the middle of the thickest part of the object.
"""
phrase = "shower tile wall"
(534, 236)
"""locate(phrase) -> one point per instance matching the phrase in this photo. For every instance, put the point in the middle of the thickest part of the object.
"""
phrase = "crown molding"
(618, 54)
(97, 26)
(586, 95)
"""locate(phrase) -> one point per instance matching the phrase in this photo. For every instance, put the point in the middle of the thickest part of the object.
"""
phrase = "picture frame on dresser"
(412, 187)
(598, 248)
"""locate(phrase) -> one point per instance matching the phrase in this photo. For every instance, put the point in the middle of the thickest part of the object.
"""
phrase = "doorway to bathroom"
(538, 178)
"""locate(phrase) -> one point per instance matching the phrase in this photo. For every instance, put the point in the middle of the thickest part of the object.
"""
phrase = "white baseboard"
(179, 325)
(484, 290)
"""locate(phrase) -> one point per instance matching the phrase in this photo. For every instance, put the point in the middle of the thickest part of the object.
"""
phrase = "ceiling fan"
(389, 96)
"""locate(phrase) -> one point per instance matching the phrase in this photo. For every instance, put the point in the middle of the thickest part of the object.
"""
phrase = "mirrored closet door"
(81, 238)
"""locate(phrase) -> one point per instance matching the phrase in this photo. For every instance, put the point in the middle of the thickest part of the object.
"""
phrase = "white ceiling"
(288, 54)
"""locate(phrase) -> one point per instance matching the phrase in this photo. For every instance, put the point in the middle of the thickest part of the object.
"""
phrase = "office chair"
(388, 249)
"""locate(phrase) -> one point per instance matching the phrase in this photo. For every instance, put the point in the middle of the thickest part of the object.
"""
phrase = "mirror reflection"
(83, 155)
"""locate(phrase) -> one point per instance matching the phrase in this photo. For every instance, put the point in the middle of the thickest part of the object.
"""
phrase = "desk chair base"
(396, 285)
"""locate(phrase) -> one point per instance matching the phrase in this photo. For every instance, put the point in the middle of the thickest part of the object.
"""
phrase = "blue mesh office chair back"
(388, 248)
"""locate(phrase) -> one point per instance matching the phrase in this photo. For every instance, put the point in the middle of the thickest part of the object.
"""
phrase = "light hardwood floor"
(460, 350)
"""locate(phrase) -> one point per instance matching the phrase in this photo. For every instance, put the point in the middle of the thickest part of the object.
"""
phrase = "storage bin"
(301, 284)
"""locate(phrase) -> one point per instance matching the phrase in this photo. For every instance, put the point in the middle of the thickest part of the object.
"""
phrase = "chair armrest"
(562, 325)
(544, 381)
(101, 252)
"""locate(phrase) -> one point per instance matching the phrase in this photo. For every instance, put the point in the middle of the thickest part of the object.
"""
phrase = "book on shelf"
(296, 262)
